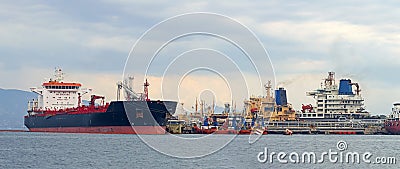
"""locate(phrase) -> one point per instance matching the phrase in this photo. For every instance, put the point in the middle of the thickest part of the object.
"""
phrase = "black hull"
(119, 113)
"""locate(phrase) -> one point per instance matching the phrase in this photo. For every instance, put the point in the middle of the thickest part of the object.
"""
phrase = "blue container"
(345, 87)
(280, 97)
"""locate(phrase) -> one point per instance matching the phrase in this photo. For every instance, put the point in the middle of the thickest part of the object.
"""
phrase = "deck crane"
(130, 94)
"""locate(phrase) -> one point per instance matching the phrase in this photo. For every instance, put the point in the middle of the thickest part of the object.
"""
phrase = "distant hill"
(13, 106)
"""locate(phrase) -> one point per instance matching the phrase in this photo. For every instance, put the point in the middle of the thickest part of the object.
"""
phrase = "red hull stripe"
(105, 130)
(393, 127)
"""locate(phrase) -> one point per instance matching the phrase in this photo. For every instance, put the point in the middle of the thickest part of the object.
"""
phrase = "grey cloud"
(91, 36)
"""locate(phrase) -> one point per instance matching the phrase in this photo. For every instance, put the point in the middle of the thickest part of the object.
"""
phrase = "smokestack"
(280, 97)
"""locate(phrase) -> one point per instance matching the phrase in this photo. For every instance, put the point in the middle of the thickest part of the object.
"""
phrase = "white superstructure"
(56, 94)
(395, 112)
(335, 102)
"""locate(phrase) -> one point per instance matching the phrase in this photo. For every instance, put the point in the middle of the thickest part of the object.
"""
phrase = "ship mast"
(58, 75)
(268, 88)
(196, 105)
(146, 90)
(213, 106)
(330, 80)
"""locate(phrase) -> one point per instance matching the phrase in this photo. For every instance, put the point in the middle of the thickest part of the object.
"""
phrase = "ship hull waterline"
(143, 117)
(105, 130)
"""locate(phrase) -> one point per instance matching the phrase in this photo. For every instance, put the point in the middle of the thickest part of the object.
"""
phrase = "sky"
(91, 41)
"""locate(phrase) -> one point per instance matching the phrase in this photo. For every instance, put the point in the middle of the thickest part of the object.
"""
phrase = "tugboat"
(392, 124)
(288, 132)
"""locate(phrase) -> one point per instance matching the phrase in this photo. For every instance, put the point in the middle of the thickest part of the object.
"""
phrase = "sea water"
(56, 150)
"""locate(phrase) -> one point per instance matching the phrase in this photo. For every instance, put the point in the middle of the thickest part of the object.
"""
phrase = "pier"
(318, 127)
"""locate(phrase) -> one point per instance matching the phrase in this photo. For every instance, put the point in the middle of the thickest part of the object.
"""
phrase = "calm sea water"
(52, 150)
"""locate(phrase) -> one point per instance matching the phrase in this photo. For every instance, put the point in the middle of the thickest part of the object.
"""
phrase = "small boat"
(288, 132)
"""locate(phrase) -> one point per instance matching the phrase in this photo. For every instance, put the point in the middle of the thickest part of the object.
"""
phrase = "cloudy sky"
(91, 40)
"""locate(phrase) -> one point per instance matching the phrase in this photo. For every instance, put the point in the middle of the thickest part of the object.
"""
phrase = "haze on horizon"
(91, 40)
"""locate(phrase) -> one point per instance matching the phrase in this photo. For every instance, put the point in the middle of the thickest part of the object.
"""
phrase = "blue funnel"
(280, 97)
(345, 87)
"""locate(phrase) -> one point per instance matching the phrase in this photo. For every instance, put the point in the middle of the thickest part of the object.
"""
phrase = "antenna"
(58, 74)
(331, 79)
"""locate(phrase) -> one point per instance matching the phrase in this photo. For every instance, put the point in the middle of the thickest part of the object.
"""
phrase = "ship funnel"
(280, 97)
(345, 87)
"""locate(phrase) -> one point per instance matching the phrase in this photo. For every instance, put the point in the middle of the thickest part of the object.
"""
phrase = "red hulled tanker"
(59, 109)
(392, 124)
